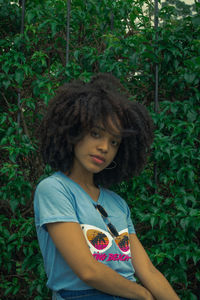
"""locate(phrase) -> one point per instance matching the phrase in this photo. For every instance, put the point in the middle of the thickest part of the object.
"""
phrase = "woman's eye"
(115, 143)
(95, 134)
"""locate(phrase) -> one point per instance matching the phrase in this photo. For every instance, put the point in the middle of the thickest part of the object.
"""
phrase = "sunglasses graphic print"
(100, 240)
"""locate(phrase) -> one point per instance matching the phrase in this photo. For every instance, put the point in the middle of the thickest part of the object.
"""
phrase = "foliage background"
(105, 36)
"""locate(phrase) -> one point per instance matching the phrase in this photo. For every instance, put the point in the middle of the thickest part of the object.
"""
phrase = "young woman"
(93, 136)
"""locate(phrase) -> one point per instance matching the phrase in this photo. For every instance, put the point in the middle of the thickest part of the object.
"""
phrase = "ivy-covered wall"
(105, 36)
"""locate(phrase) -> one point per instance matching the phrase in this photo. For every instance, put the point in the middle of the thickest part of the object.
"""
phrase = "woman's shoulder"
(117, 199)
(113, 194)
(52, 182)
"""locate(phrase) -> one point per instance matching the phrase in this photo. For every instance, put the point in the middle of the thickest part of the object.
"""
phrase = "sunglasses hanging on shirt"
(104, 214)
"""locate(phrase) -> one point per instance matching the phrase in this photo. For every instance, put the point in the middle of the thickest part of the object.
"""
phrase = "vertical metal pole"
(68, 30)
(156, 103)
(111, 26)
(23, 16)
(112, 21)
(19, 108)
(19, 92)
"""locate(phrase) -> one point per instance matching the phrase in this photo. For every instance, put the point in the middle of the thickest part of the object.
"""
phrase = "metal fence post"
(68, 30)
(156, 100)
(19, 92)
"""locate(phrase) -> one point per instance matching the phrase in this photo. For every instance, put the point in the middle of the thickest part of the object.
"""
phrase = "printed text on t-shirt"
(111, 256)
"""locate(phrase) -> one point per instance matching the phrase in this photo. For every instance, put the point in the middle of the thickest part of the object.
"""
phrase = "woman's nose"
(103, 145)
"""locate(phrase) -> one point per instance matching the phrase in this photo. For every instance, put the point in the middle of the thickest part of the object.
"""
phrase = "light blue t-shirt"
(60, 199)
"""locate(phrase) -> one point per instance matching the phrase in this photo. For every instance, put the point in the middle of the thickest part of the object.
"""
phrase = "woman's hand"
(149, 296)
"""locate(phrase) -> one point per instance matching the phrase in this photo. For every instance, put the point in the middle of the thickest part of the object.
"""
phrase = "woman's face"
(96, 150)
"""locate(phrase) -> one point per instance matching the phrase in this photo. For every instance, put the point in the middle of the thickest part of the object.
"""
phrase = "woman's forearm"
(158, 285)
(148, 275)
(108, 281)
(87, 268)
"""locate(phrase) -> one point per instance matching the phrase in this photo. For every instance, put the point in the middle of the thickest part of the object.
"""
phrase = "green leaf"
(184, 223)
(19, 76)
(76, 54)
(196, 20)
(191, 116)
(153, 221)
(6, 67)
(3, 118)
(189, 77)
(8, 291)
(196, 258)
(6, 83)
(12, 237)
(197, 275)
(30, 16)
(13, 204)
(193, 297)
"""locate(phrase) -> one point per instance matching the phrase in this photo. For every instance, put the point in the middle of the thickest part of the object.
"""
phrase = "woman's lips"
(98, 159)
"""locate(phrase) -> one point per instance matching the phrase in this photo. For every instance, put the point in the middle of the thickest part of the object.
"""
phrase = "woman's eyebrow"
(113, 134)
(99, 127)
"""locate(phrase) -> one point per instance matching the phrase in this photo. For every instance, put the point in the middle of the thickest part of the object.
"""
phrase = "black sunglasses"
(110, 226)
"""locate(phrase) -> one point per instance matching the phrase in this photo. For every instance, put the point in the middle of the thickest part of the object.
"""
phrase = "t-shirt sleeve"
(131, 228)
(54, 202)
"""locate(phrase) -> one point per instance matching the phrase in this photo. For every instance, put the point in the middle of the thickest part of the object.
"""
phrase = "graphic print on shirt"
(100, 241)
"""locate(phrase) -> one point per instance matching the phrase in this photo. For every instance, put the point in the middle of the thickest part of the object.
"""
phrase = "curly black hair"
(77, 107)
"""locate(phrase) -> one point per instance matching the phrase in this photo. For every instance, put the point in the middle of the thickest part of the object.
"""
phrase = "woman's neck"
(87, 185)
(84, 180)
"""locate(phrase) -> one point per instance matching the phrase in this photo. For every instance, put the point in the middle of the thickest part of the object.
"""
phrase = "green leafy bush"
(105, 36)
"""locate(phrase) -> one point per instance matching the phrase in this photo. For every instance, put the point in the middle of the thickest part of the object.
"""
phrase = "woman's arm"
(71, 243)
(148, 275)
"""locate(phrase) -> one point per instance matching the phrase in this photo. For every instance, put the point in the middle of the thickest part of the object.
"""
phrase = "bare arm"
(95, 274)
(149, 276)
